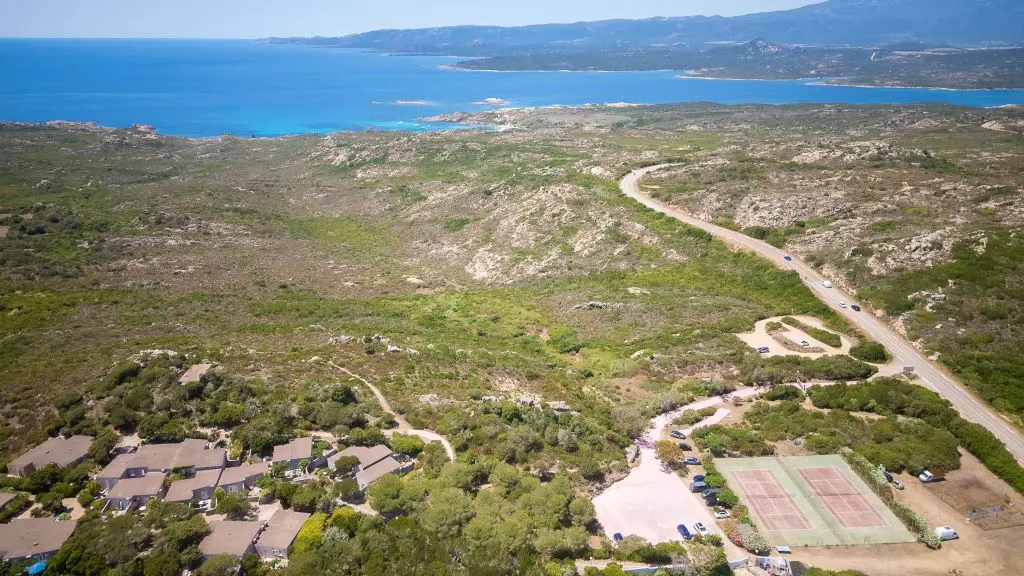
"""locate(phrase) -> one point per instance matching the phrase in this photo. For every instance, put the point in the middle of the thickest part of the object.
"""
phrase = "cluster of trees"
(899, 398)
(898, 443)
(539, 436)
(731, 441)
(873, 352)
(691, 417)
(783, 369)
(163, 542)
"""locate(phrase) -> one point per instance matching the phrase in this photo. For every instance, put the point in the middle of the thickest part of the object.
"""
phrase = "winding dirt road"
(403, 426)
(903, 353)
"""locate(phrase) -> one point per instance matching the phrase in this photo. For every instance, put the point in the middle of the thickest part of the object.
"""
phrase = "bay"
(203, 88)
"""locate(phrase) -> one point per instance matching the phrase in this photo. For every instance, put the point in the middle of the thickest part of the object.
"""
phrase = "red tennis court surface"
(849, 507)
(773, 506)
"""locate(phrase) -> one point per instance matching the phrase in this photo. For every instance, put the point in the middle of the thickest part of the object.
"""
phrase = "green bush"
(873, 352)
(824, 336)
(784, 392)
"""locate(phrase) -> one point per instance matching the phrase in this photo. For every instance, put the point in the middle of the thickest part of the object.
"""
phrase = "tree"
(346, 465)
(165, 562)
(369, 436)
(235, 507)
(505, 478)
(386, 496)
(103, 445)
(406, 444)
(348, 490)
(448, 511)
(670, 454)
(223, 565)
(581, 512)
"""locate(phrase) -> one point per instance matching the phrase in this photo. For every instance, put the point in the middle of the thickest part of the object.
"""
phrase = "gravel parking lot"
(652, 501)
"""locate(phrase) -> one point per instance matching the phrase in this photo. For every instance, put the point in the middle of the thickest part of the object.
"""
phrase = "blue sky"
(261, 18)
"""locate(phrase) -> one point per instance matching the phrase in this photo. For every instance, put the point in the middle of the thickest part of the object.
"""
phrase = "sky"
(262, 18)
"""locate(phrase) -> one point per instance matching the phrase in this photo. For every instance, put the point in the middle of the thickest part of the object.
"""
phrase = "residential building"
(230, 537)
(281, 530)
(60, 451)
(33, 538)
(186, 457)
(194, 373)
(130, 492)
(198, 487)
(374, 462)
(242, 478)
(294, 452)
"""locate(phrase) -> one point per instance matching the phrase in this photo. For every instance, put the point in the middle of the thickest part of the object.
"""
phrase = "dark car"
(787, 258)
(855, 308)
(685, 447)
(698, 477)
(684, 531)
(692, 460)
(709, 492)
(618, 537)
(678, 434)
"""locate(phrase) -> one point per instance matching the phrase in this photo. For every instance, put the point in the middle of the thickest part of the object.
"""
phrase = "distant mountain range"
(966, 23)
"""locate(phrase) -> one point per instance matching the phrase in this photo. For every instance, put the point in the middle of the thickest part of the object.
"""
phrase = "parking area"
(786, 341)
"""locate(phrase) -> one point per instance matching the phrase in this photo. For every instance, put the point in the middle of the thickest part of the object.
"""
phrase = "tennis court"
(811, 501)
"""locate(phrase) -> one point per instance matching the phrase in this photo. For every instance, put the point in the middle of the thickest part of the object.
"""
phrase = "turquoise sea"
(212, 87)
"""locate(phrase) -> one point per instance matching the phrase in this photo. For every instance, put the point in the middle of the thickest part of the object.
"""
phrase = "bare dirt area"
(788, 343)
(978, 551)
(980, 498)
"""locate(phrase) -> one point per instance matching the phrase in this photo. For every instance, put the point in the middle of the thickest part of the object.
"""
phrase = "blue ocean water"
(212, 87)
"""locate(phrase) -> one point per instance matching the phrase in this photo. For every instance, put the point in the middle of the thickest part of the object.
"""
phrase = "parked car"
(710, 492)
(685, 447)
(897, 484)
(763, 350)
(701, 529)
(684, 531)
(888, 477)
(721, 513)
(805, 344)
(693, 460)
(946, 533)
(618, 537)
(928, 476)
(678, 434)
(842, 305)
(855, 308)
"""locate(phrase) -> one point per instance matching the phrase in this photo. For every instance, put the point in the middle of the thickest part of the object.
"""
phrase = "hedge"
(879, 484)
(824, 336)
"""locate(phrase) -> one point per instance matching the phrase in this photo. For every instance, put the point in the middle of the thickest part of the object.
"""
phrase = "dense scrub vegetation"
(897, 442)
(783, 369)
(901, 399)
(981, 292)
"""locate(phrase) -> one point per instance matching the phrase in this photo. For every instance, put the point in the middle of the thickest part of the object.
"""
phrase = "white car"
(721, 513)
(700, 529)
(842, 305)
(827, 284)
(805, 344)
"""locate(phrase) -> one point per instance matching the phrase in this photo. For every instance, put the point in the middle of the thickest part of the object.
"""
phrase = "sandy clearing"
(760, 337)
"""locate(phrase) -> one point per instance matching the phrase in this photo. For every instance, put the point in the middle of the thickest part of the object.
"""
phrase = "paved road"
(403, 426)
(904, 354)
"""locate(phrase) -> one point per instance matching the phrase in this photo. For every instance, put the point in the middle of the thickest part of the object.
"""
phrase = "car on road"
(693, 460)
(805, 344)
(763, 350)
(678, 434)
(787, 258)
(826, 284)
(684, 531)
(842, 305)
(685, 447)
(721, 513)
(618, 537)
(701, 529)
(855, 308)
